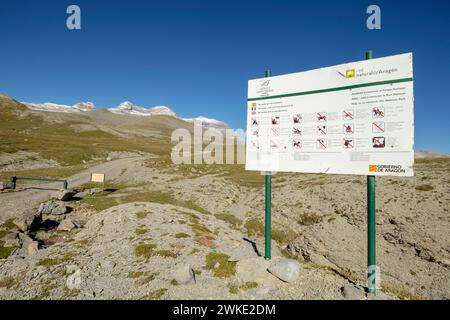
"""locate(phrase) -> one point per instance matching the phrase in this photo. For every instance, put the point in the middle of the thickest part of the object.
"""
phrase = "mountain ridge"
(124, 108)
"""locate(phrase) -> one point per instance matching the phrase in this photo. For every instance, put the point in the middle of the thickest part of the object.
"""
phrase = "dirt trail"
(12, 204)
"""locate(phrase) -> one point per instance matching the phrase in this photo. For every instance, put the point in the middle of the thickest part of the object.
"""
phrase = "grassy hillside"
(24, 130)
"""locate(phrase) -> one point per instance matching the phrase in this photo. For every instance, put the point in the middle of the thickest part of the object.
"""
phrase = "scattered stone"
(42, 235)
(184, 275)
(60, 209)
(287, 270)
(64, 195)
(350, 292)
(73, 281)
(255, 270)
(424, 253)
(2, 186)
(66, 225)
(108, 265)
(393, 221)
(28, 220)
(29, 246)
(391, 238)
(217, 265)
(11, 240)
(53, 207)
(244, 251)
(55, 218)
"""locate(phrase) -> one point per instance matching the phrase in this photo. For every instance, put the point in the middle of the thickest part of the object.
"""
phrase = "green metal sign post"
(371, 227)
(12, 184)
(371, 218)
(268, 207)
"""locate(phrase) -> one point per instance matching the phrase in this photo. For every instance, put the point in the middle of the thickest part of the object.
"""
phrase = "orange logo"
(373, 168)
(253, 104)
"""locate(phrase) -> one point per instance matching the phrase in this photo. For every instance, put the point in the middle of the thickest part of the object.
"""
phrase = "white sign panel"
(355, 118)
(98, 177)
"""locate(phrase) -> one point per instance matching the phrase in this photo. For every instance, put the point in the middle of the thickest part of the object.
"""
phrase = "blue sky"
(196, 56)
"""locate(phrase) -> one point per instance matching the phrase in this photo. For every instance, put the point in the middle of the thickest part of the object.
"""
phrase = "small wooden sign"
(98, 177)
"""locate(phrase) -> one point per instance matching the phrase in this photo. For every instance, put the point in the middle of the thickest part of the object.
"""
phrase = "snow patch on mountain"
(53, 107)
(209, 123)
(162, 110)
(84, 106)
(129, 108)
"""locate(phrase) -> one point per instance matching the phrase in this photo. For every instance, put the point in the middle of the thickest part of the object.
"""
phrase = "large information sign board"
(354, 118)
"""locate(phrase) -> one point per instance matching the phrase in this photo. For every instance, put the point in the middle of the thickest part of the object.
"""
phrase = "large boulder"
(66, 225)
(287, 270)
(29, 246)
(64, 195)
(255, 270)
(11, 240)
(42, 235)
(243, 251)
(28, 220)
(53, 207)
(184, 274)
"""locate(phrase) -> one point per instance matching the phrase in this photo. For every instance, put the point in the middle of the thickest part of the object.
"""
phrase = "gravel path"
(12, 204)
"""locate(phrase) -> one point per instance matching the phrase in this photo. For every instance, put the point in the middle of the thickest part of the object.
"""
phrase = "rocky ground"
(165, 232)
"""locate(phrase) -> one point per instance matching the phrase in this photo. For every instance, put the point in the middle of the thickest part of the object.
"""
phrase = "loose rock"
(242, 252)
(108, 265)
(254, 270)
(11, 240)
(184, 275)
(66, 225)
(29, 246)
(287, 270)
(53, 208)
(73, 281)
(64, 195)
(28, 220)
(42, 235)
